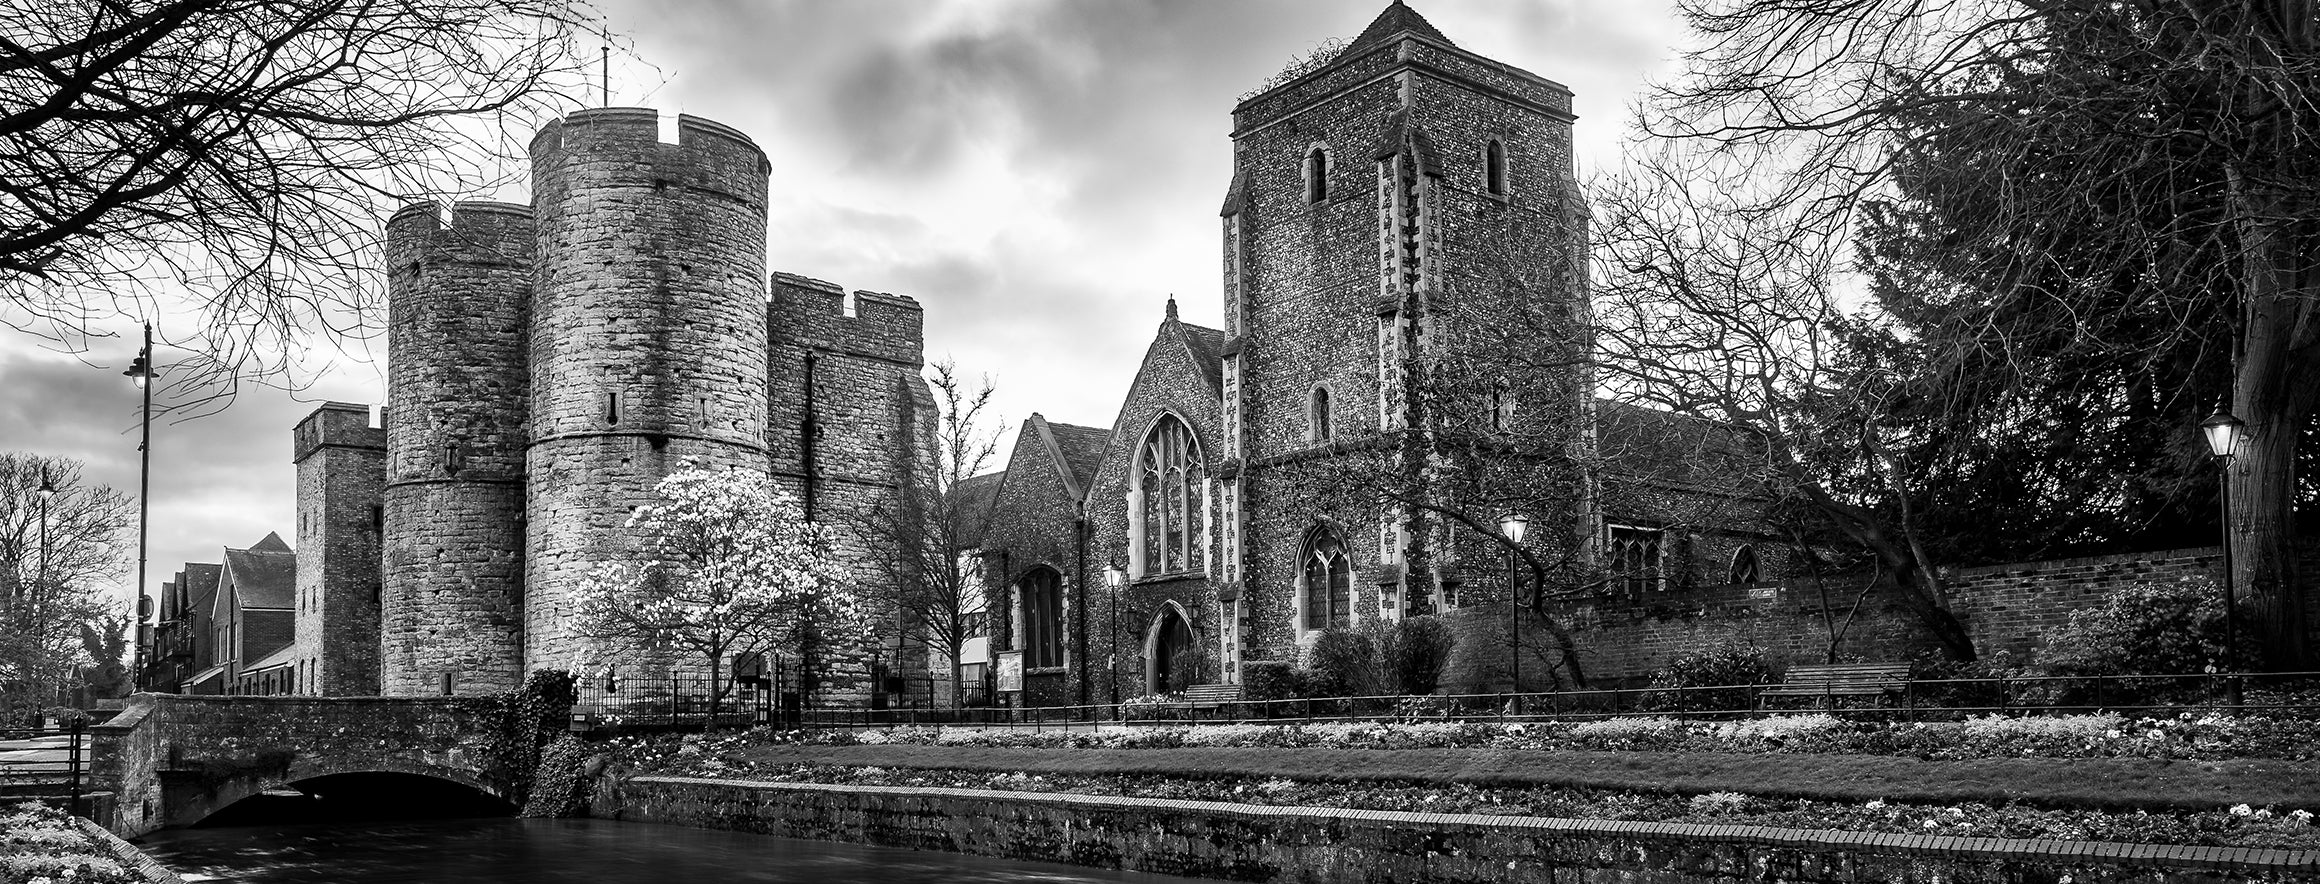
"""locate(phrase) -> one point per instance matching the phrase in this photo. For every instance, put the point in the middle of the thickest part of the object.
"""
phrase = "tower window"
(1318, 416)
(1494, 168)
(612, 408)
(1316, 174)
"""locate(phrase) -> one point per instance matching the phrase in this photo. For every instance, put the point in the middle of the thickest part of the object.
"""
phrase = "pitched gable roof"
(200, 585)
(263, 576)
(975, 495)
(1083, 449)
(1396, 19)
(1207, 347)
(1676, 449)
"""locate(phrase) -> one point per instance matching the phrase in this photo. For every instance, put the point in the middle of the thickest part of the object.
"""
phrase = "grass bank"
(2118, 784)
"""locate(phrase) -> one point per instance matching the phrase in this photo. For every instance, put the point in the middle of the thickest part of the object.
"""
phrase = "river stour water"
(513, 851)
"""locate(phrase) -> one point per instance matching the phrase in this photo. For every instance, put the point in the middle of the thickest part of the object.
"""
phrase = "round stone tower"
(451, 596)
(648, 337)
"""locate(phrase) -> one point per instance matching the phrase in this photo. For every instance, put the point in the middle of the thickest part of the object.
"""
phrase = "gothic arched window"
(1167, 515)
(1041, 594)
(1328, 576)
(1316, 174)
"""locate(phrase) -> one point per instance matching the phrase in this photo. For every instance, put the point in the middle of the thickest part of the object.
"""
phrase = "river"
(513, 851)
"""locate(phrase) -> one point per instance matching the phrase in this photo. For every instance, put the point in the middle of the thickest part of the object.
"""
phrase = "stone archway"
(1168, 644)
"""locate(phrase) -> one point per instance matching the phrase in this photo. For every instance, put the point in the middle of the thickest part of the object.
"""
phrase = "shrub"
(2146, 629)
(1422, 653)
(1268, 680)
(560, 784)
(1724, 663)
(1343, 664)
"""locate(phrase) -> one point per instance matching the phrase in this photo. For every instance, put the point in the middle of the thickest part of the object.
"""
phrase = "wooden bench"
(1210, 696)
(1840, 680)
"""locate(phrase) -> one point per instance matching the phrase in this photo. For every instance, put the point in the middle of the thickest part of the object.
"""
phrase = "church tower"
(1401, 241)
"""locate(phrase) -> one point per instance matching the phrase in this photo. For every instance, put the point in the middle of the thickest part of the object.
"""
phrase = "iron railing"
(41, 761)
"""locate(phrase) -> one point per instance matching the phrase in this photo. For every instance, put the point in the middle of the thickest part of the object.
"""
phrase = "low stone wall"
(1242, 842)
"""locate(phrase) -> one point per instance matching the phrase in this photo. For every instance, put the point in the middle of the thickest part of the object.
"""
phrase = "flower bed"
(2098, 735)
(2241, 826)
(40, 845)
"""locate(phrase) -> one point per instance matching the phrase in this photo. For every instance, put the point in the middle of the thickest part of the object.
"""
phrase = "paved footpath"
(39, 759)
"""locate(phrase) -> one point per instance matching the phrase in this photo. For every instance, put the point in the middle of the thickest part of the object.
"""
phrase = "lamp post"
(1513, 525)
(141, 371)
(1114, 577)
(2222, 431)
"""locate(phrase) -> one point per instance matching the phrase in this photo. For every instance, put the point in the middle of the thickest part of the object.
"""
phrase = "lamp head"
(140, 370)
(1514, 525)
(1113, 576)
(47, 487)
(2222, 431)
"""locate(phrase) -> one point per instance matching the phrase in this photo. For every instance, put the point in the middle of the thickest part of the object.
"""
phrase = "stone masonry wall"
(1244, 842)
(843, 441)
(647, 338)
(341, 462)
(451, 593)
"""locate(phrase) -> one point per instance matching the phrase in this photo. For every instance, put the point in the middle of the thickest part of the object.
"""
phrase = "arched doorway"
(1172, 661)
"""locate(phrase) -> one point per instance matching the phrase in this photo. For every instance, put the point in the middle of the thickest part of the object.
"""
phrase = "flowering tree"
(730, 565)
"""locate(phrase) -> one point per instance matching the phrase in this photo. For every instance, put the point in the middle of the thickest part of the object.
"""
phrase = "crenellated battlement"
(813, 313)
(337, 425)
(699, 140)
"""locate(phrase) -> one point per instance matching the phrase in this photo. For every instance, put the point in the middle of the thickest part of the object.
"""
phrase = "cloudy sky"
(1040, 174)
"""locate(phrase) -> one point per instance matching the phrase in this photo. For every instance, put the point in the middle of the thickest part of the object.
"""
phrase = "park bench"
(1829, 681)
(1211, 696)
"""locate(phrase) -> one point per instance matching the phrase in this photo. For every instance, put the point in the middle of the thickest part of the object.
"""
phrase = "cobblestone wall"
(458, 299)
(647, 337)
(1404, 246)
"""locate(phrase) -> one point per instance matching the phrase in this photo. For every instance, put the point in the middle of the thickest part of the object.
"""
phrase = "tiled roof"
(1397, 18)
(201, 583)
(1654, 444)
(265, 575)
(975, 494)
(1207, 346)
(1083, 448)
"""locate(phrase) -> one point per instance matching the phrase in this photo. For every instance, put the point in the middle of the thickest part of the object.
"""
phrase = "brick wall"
(2006, 608)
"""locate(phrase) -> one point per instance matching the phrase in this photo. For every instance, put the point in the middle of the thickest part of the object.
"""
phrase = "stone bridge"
(171, 760)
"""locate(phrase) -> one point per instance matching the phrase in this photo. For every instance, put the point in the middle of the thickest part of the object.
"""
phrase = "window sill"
(1169, 577)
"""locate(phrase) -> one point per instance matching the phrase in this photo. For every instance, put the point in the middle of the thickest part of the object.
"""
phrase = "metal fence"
(2292, 694)
(37, 762)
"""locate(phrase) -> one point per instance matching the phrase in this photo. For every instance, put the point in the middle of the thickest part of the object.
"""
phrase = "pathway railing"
(2290, 694)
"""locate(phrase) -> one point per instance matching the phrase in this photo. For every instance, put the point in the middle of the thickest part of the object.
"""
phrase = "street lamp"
(141, 371)
(2222, 431)
(1513, 525)
(47, 491)
(1114, 577)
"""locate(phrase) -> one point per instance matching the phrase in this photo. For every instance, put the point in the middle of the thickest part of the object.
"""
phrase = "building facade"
(1402, 364)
